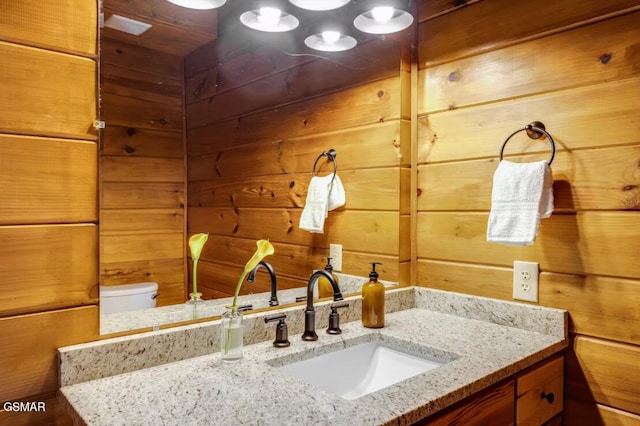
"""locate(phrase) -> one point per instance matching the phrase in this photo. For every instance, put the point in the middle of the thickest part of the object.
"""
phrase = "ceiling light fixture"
(269, 19)
(330, 41)
(199, 4)
(319, 4)
(383, 20)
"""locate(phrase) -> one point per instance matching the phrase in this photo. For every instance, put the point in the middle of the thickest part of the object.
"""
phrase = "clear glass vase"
(194, 306)
(231, 335)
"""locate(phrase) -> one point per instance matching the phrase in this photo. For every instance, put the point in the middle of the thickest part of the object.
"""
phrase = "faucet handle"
(282, 331)
(334, 318)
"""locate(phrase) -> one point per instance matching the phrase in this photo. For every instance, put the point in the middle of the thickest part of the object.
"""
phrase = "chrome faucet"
(273, 301)
(310, 313)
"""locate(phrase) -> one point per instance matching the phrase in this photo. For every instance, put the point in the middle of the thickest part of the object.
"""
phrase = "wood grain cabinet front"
(539, 393)
(534, 396)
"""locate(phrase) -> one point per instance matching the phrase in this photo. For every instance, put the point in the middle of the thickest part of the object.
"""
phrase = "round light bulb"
(269, 16)
(382, 13)
(330, 36)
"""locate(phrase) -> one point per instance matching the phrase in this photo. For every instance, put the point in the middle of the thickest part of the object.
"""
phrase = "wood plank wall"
(257, 119)
(48, 197)
(489, 68)
(142, 171)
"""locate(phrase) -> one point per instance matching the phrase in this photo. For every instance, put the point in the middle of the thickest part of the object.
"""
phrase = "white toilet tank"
(127, 297)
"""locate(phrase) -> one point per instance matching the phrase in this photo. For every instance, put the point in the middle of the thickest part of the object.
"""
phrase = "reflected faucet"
(273, 301)
(310, 313)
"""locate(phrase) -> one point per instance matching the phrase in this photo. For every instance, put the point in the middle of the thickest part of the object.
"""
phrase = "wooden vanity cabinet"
(532, 397)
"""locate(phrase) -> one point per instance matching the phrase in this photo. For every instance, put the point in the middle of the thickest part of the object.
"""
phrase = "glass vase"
(231, 335)
(194, 306)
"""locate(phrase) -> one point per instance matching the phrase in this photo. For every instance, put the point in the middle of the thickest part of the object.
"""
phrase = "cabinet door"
(493, 406)
(540, 393)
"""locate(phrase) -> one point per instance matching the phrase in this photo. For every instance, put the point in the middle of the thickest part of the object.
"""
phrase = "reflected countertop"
(171, 314)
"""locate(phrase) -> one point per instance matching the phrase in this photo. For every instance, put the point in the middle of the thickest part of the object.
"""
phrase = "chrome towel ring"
(535, 130)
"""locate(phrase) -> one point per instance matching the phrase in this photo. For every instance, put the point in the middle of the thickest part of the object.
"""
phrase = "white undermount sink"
(361, 369)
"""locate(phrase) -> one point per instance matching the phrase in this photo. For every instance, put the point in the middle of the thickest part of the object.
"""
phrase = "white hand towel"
(522, 195)
(323, 194)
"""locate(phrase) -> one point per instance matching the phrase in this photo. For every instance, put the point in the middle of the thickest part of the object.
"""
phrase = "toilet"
(127, 297)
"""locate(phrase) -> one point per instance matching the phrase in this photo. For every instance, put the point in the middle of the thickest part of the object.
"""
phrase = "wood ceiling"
(179, 31)
(175, 30)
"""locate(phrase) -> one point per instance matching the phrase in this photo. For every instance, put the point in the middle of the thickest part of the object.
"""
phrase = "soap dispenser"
(373, 300)
(324, 286)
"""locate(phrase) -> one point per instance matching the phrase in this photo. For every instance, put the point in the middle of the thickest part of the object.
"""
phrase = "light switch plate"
(335, 253)
(525, 281)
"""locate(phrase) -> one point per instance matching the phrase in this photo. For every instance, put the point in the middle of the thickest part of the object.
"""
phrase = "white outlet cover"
(335, 252)
(525, 281)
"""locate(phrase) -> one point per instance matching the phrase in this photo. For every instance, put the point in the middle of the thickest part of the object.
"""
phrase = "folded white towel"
(323, 194)
(522, 195)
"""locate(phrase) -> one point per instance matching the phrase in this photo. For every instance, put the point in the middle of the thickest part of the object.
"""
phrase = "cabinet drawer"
(539, 393)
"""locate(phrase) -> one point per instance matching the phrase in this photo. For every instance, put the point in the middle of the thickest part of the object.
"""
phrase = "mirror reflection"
(212, 127)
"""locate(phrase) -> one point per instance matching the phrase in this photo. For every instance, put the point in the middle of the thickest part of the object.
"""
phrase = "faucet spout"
(251, 277)
(310, 313)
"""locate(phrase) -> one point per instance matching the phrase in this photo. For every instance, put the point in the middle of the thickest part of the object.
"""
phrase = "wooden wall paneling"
(58, 25)
(511, 72)
(131, 112)
(297, 154)
(141, 169)
(36, 171)
(367, 189)
(429, 9)
(348, 228)
(127, 82)
(581, 413)
(141, 247)
(609, 120)
(46, 93)
(154, 270)
(605, 372)
(487, 25)
(584, 243)
(140, 59)
(288, 81)
(47, 267)
(220, 280)
(28, 348)
(131, 142)
(278, 225)
(140, 195)
(594, 179)
(598, 306)
(171, 293)
(141, 221)
(367, 104)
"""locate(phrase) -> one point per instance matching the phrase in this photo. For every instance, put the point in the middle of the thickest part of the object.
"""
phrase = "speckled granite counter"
(163, 315)
(491, 339)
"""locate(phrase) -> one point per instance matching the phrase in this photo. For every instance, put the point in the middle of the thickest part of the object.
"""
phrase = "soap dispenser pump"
(373, 300)
(324, 286)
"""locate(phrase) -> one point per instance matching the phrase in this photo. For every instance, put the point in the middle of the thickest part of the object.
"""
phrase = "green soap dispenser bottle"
(373, 300)
(324, 286)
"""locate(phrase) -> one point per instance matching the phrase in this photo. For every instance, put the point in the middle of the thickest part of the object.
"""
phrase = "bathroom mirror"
(259, 109)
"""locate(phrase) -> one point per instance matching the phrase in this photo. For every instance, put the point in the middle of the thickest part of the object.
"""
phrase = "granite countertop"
(486, 341)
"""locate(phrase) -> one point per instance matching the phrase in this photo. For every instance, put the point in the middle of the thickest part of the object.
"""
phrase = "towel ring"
(534, 130)
(331, 155)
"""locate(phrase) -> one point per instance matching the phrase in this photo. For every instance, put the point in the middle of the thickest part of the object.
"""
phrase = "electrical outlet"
(525, 281)
(335, 253)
